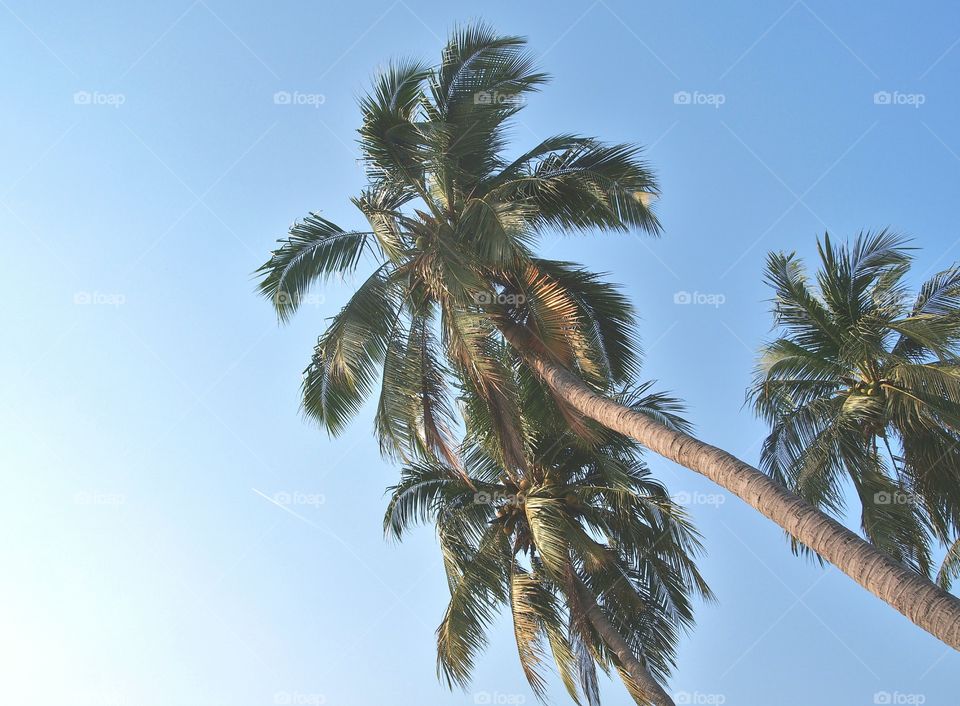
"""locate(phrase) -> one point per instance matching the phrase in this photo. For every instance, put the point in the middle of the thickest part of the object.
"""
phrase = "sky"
(176, 534)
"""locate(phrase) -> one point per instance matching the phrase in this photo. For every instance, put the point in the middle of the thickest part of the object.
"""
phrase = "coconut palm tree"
(594, 561)
(457, 294)
(863, 387)
(451, 222)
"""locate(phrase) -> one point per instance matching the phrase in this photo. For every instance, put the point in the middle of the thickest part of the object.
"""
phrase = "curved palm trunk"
(916, 597)
(614, 640)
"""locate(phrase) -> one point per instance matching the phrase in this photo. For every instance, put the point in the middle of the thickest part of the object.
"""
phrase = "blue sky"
(176, 534)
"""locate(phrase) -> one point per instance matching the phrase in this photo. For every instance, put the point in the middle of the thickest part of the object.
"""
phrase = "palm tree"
(864, 386)
(458, 296)
(593, 559)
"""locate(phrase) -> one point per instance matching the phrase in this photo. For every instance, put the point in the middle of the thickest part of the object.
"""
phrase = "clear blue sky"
(150, 399)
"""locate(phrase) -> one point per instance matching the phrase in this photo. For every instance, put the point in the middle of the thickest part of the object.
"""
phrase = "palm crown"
(864, 384)
(452, 221)
(584, 529)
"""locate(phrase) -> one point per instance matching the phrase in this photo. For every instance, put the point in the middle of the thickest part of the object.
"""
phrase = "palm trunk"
(612, 638)
(916, 597)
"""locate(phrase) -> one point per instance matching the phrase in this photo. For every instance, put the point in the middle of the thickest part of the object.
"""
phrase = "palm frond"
(478, 579)
(314, 250)
(950, 569)
(342, 371)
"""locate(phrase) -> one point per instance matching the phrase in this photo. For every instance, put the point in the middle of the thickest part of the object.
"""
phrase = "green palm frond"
(537, 615)
(343, 369)
(863, 387)
(425, 490)
(478, 585)
(315, 249)
(662, 407)
(586, 186)
(392, 142)
(380, 203)
(950, 569)
(607, 315)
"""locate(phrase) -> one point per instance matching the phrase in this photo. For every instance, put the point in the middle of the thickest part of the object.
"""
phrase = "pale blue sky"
(150, 399)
